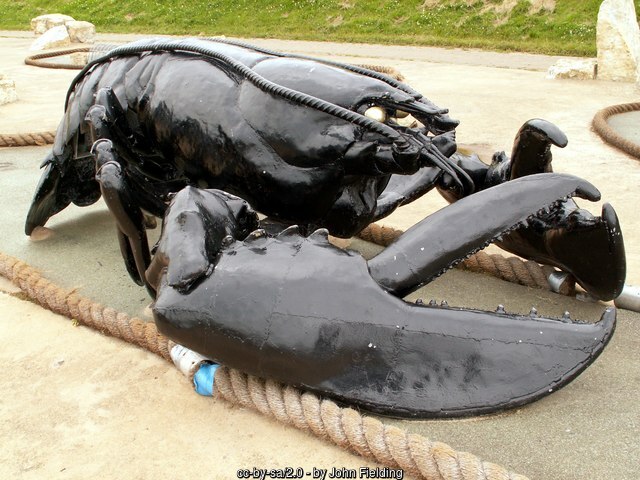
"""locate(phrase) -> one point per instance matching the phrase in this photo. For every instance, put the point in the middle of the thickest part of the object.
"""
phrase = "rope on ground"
(38, 59)
(26, 139)
(511, 269)
(344, 427)
(84, 311)
(609, 135)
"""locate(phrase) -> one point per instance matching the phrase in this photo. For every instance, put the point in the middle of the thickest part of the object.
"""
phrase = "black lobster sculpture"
(317, 147)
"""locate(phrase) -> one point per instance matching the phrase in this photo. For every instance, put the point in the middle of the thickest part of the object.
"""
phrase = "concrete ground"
(77, 404)
(626, 124)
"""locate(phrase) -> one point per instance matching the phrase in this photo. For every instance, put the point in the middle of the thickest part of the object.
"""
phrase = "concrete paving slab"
(80, 405)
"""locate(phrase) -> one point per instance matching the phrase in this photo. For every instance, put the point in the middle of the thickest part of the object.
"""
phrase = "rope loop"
(609, 135)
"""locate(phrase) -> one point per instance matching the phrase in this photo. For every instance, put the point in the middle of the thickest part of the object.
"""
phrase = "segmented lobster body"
(192, 120)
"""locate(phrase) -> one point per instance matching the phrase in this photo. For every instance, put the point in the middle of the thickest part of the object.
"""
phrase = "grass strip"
(562, 27)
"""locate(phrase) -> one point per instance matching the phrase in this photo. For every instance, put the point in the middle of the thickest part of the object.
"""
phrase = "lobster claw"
(47, 200)
(590, 248)
(306, 313)
(301, 311)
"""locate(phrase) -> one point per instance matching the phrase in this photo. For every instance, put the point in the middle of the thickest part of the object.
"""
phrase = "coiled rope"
(609, 135)
(344, 427)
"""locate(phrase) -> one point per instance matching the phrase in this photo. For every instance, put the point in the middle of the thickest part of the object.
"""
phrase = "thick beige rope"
(344, 427)
(26, 139)
(609, 135)
(390, 71)
(84, 311)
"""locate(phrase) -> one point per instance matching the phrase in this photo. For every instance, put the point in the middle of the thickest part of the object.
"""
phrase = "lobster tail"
(61, 184)
(48, 199)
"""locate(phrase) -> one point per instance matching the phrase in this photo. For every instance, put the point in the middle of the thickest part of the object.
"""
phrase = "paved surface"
(76, 404)
(626, 124)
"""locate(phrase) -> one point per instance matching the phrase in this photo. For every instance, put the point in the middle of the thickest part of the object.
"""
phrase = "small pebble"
(57, 363)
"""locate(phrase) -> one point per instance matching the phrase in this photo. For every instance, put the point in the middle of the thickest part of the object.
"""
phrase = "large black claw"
(313, 317)
(59, 185)
(590, 248)
(205, 220)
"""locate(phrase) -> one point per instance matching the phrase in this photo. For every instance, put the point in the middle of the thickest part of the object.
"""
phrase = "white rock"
(7, 90)
(618, 41)
(45, 22)
(577, 69)
(52, 38)
(81, 32)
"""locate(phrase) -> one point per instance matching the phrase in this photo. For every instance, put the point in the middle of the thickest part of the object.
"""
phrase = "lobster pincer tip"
(587, 191)
(544, 131)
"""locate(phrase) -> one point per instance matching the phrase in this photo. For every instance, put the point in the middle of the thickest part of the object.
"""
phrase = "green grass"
(569, 29)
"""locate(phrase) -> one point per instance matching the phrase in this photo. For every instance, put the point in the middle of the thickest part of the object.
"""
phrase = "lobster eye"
(376, 113)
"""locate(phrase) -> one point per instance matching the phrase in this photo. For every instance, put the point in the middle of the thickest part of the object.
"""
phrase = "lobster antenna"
(253, 77)
(346, 66)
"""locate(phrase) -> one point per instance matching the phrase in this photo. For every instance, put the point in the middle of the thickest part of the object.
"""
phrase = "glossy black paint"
(302, 311)
(591, 248)
(434, 245)
(293, 138)
(218, 130)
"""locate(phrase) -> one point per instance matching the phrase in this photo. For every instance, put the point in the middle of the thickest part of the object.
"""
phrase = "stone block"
(7, 90)
(46, 22)
(81, 32)
(55, 37)
(618, 41)
(575, 69)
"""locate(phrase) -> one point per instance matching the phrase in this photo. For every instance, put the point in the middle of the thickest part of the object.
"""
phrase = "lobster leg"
(129, 218)
(106, 122)
(49, 198)
(299, 310)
